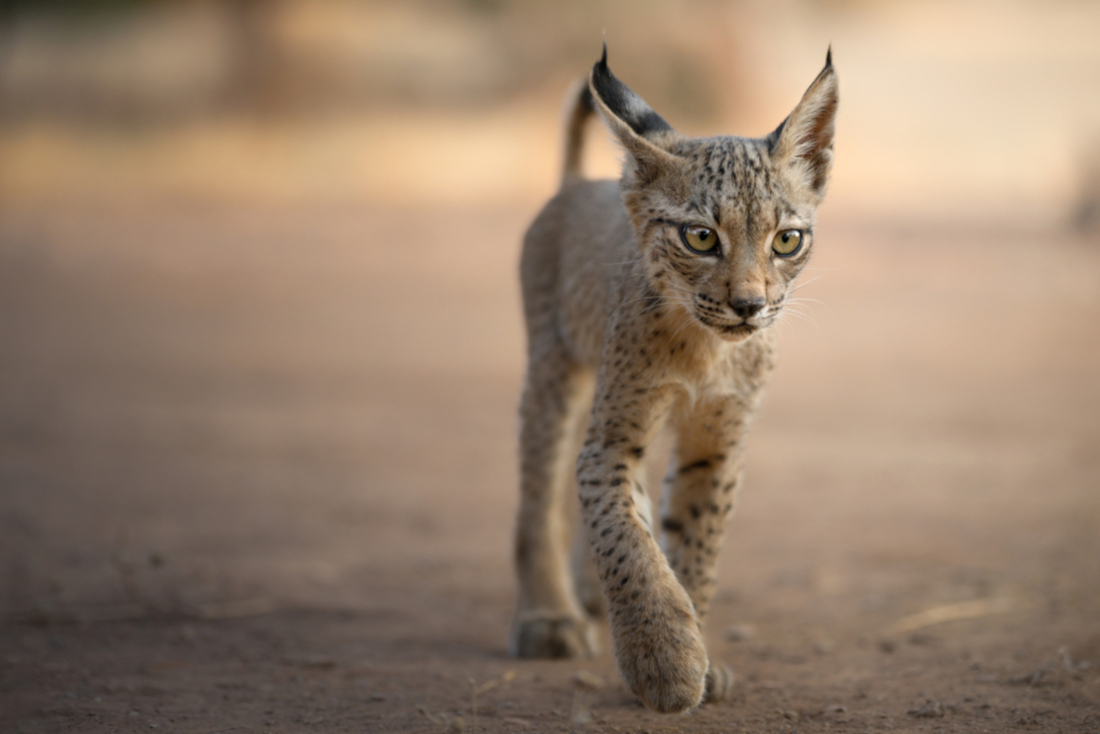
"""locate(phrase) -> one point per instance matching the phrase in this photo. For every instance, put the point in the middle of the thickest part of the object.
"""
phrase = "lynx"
(649, 301)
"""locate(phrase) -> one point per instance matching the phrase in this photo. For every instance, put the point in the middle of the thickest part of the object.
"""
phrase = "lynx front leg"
(549, 622)
(699, 498)
(655, 633)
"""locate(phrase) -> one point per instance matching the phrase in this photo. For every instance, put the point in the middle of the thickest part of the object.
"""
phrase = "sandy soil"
(257, 474)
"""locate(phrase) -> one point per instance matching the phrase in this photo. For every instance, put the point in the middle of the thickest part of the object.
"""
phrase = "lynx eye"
(699, 239)
(787, 242)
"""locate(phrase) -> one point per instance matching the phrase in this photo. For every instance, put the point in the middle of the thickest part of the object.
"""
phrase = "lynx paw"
(661, 655)
(541, 634)
(668, 681)
(719, 682)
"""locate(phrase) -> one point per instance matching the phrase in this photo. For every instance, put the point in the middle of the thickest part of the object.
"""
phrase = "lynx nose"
(748, 307)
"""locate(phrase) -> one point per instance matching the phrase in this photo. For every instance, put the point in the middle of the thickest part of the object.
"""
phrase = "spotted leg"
(655, 633)
(549, 621)
(700, 490)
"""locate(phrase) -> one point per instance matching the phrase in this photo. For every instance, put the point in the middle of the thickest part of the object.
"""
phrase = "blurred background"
(261, 350)
(948, 107)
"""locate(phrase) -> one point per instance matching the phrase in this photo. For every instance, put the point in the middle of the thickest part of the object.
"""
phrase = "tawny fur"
(629, 329)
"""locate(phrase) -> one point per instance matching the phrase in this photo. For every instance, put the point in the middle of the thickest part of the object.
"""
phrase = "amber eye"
(699, 239)
(787, 242)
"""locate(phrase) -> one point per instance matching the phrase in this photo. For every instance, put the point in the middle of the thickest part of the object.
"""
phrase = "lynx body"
(648, 301)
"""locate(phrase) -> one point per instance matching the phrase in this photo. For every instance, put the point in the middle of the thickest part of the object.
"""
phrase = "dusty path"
(257, 474)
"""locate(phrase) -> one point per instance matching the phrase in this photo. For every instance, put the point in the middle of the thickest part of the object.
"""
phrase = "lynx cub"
(649, 299)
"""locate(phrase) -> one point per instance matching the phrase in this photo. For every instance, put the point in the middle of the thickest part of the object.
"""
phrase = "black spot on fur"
(701, 464)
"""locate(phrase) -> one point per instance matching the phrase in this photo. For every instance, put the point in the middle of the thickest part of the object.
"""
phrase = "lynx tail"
(577, 114)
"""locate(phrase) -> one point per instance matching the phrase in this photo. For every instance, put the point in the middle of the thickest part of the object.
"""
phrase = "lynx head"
(724, 224)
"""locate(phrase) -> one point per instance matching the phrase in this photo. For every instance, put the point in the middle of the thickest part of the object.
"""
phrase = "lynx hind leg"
(699, 498)
(549, 621)
(719, 682)
(586, 576)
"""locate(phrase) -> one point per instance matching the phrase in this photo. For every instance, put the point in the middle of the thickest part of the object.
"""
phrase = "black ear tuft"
(828, 56)
(624, 103)
(804, 141)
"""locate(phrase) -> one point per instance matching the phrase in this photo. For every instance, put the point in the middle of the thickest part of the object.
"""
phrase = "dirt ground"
(257, 474)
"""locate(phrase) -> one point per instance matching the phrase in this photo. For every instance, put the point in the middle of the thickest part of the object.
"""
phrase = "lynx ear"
(804, 141)
(641, 131)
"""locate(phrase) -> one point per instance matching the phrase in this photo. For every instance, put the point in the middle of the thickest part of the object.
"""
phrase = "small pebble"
(930, 710)
(591, 681)
(740, 632)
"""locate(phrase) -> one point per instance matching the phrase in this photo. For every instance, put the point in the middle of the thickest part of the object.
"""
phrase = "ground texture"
(257, 473)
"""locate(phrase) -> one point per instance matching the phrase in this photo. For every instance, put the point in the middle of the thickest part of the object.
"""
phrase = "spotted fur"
(629, 329)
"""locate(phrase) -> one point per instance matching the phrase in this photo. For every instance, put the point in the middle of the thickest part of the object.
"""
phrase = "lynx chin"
(649, 301)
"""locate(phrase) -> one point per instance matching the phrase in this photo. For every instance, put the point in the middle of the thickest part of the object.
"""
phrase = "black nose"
(746, 308)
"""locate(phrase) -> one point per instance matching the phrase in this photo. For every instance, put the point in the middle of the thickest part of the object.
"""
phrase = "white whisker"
(809, 303)
(624, 262)
(803, 284)
(807, 317)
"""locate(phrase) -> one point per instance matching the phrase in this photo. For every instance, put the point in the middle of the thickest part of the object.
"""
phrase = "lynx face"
(725, 224)
(728, 251)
